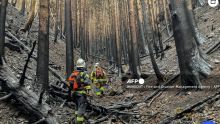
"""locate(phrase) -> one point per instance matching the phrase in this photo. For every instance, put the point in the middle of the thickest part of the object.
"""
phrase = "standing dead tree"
(134, 53)
(22, 11)
(27, 26)
(192, 63)
(56, 21)
(43, 47)
(159, 75)
(69, 38)
(117, 38)
(3, 7)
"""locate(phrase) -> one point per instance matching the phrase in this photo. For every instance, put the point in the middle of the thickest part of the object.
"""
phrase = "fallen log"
(162, 88)
(168, 38)
(12, 46)
(27, 98)
(122, 106)
(6, 97)
(99, 120)
(213, 48)
(190, 108)
(96, 108)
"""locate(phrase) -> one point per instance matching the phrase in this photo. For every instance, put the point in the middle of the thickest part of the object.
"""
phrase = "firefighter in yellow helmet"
(79, 83)
(99, 79)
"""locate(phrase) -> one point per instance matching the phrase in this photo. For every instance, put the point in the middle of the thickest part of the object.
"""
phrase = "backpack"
(99, 72)
(73, 79)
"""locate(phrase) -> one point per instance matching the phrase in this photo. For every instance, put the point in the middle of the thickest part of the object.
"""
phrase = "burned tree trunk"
(192, 64)
(200, 39)
(61, 20)
(31, 17)
(56, 21)
(134, 49)
(159, 35)
(3, 7)
(69, 38)
(159, 75)
(82, 29)
(117, 38)
(22, 11)
(43, 47)
(27, 98)
(140, 22)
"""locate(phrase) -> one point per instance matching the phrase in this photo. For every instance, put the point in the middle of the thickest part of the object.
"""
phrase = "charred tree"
(140, 22)
(191, 63)
(27, 98)
(82, 29)
(28, 25)
(158, 29)
(69, 38)
(3, 7)
(167, 16)
(22, 11)
(56, 21)
(134, 53)
(61, 21)
(149, 39)
(117, 38)
(75, 23)
(43, 47)
(200, 39)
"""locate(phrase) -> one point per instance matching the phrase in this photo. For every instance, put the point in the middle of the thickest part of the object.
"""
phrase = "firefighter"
(79, 83)
(99, 79)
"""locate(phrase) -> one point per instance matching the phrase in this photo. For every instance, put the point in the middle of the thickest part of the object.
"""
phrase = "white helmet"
(80, 63)
(96, 64)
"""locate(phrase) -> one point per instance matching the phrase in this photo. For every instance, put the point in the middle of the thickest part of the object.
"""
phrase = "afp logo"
(135, 81)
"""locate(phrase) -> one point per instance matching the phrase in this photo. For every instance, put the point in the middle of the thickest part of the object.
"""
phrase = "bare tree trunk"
(128, 36)
(158, 29)
(133, 39)
(140, 20)
(22, 11)
(43, 47)
(118, 42)
(61, 20)
(69, 38)
(153, 23)
(3, 7)
(149, 44)
(56, 21)
(200, 39)
(28, 25)
(192, 64)
(76, 23)
(166, 16)
(82, 28)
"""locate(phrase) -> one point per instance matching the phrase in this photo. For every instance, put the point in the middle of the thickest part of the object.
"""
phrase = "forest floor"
(166, 104)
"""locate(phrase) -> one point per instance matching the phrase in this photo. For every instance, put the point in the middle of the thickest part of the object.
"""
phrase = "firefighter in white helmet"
(79, 83)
